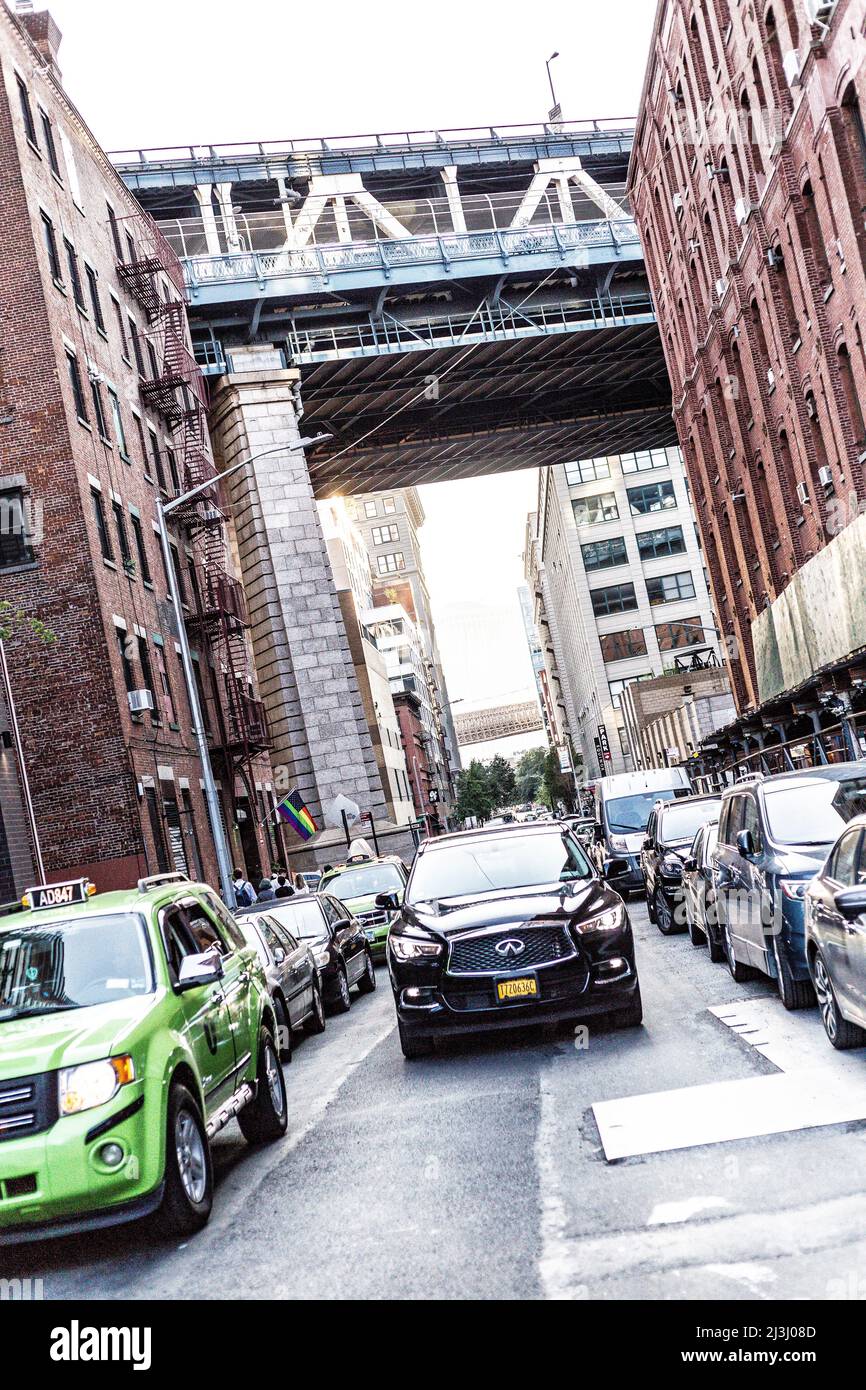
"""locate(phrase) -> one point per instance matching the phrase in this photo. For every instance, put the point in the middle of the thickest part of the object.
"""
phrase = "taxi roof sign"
(46, 895)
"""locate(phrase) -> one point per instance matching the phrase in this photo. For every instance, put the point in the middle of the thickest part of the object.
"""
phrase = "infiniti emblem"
(511, 946)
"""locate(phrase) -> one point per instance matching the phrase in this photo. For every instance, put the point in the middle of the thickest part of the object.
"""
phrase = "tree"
(15, 620)
(556, 788)
(473, 792)
(530, 771)
(501, 782)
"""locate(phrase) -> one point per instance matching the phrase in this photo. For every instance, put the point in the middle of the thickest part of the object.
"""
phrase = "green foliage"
(473, 792)
(501, 782)
(14, 620)
(530, 771)
(556, 786)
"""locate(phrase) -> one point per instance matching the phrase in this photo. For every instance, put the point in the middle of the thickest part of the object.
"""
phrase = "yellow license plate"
(516, 989)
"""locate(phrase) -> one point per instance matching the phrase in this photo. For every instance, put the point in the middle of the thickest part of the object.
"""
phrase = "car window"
(205, 931)
(845, 857)
(486, 863)
(680, 820)
(628, 815)
(178, 939)
(303, 915)
(266, 927)
(230, 928)
(750, 820)
(734, 820)
(288, 941)
(54, 966)
(711, 833)
(813, 810)
(334, 910)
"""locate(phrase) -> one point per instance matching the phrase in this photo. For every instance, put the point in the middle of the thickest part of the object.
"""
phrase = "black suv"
(669, 833)
(504, 926)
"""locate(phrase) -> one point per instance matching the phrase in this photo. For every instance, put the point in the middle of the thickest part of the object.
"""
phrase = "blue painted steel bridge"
(458, 302)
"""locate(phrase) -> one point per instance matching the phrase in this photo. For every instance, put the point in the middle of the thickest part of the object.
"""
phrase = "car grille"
(28, 1105)
(372, 919)
(477, 955)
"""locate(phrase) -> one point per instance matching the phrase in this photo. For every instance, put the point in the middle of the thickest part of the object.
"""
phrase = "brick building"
(101, 411)
(748, 181)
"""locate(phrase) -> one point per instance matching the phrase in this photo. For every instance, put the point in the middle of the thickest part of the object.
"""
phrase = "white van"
(622, 809)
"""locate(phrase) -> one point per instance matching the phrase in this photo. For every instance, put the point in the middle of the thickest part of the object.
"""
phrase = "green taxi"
(359, 881)
(133, 1027)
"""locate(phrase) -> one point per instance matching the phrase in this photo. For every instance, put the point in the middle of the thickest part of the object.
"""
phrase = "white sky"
(169, 72)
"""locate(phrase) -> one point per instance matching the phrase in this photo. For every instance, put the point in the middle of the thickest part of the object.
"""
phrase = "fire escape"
(176, 390)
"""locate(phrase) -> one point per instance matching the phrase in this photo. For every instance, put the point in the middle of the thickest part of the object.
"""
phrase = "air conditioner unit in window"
(139, 701)
(802, 494)
(721, 287)
(677, 201)
(825, 476)
(743, 210)
(791, 64)
(819, 11)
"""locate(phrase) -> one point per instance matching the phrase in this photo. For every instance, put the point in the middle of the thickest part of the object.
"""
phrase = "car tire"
(317, 1021)
(367, 982)
(794, 994)
(412, 1045)
(266, 1118)
(342, 1000)
(662, 915)
(188, 1195)
(714, 945)
(631, 1017)
(650, 908)
(739, 973)
(696, 936)
(842, 1034)
(284, 1030)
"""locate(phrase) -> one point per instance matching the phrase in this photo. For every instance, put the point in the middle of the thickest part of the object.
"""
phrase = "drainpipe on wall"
(22, 768)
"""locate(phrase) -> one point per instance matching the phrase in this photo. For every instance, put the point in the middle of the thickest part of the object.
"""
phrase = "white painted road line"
(790, 1040)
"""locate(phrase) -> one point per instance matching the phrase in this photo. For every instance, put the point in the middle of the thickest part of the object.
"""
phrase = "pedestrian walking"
(245, 893)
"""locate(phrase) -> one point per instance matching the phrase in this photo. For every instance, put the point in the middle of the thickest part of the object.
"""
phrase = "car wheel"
(412, 1045)
(662, 915)
(316, 1021)
(367, 982)
(284, 1030)
(650, 907)
(696, 936)
(632, 1016)
(188, 1197)
(794, 994)
(342, 1001)
(739, 972)
(841, 1033)
(714, 943)
(266, 1118)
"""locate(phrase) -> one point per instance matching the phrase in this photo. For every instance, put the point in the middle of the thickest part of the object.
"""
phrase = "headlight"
(672, 866)
(794, 888)
(94, 1083)
(321, 955)
(414, 947)
(611, 920)
(618, 843)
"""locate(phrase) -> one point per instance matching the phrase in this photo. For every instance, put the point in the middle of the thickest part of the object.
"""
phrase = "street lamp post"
(163, 511)
(556, 110)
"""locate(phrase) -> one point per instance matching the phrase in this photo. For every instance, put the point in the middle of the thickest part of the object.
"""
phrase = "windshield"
(72, 965)
(365, 882)
(628, 815)
(496, 861)
(814, 811)
(681, 822)
(303, 916)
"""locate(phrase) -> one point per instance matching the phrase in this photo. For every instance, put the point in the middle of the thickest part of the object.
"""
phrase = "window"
(843, 862)
(619, 646)
(14, 536)
(119, 431)
(147, 672)
(390, 564)
(601, 506)
(382, 535)
(603, 555)
(667, 588)
(370, 508)
(389, 506)
(77, 388)
(74, 277)
(115, 231)
(164, 682)
(101, 527)
(617, 598)
(123, 539)
(140, 550)
(656, 545)
(50, 147)
(617, 687)
(172, 469)
(93, 287)
(121, 328)
(99, 410)
(126, 647)
(687, 633)
(178, 573)
(587, 471)
(156, 455)
(136, 345)
(26, 112)
(652, 497)
(647, 458)
(51, 247)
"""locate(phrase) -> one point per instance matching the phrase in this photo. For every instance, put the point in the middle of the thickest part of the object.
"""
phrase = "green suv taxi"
(358, 883)
(133, 1027)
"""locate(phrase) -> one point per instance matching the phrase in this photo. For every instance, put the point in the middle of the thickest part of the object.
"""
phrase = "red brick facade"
(116, 795)
(748, 183)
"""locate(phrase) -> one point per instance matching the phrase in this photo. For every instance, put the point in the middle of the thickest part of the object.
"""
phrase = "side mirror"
(614, 869)
(205, 969)
(746, 844)
(598, 834)
(648, 842)
(342, 923)
(690, 865)
(851, 902)
(389, 901)
(279, 955)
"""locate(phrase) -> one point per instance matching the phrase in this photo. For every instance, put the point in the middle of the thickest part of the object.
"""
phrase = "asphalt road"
(479, 1173)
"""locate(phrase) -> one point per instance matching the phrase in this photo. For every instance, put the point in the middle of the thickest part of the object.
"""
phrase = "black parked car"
(836, 937)
(670, 830)
(337, 941)
(505, 926)
(699, 894)
(293, 978)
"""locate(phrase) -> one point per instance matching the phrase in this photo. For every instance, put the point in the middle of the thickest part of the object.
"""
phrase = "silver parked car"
(292, 973)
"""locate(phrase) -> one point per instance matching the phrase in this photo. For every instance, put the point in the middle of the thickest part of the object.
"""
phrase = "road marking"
(788, 1039)
(669, 1213)
(554, 1263)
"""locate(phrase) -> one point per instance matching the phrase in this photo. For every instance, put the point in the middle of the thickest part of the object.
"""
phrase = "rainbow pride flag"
(293, 810)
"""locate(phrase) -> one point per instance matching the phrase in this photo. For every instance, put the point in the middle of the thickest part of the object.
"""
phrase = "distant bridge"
(501, 721)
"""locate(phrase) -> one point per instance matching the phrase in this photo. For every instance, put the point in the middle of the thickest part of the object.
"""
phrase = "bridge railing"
(387, 256)
(168, 155)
